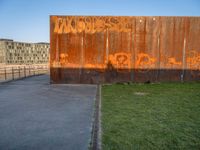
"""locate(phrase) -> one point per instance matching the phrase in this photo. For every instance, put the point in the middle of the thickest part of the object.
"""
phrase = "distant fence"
(106, 49)
(16, 72)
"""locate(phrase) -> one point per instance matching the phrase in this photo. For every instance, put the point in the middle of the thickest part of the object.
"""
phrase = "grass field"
(151, 116)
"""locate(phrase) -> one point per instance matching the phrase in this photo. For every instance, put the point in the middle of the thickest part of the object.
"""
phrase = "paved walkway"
(39, 116)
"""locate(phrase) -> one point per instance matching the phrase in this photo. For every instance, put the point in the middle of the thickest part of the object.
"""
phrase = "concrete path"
(39, 116)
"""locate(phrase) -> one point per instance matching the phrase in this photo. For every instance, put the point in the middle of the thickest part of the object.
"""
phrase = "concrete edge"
(95, 143)
(100, 128)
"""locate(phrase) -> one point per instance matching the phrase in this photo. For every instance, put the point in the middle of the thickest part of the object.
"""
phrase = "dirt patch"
(140, 93)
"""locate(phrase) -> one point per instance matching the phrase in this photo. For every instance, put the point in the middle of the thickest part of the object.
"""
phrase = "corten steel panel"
(66, 50)
(193, 49)
(105, 49)
(94, 45)
(146, 49)
(119, 49)
(171, 48)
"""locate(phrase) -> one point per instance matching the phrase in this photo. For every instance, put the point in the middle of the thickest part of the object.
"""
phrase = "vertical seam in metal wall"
(183, 72)
(50, 49)
(158, 42)
(107, 51)
(131, 47)
(57, 48)
(145, 31)
(134, 66)
(82, 55)
(184, 49)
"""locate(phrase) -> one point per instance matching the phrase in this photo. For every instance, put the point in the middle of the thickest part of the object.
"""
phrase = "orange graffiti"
(63, 59)
(100, 25)
(144, 62)
(121, 60)
(172, 61)
(80, 25)
(94, 66)
(65, 25)
(194, 60)
(56, 64)
(91, 24)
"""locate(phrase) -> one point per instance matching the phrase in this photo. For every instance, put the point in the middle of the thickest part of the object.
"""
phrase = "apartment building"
(20, 53)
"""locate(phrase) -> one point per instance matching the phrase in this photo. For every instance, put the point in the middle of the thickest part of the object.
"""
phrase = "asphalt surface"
(35, 115)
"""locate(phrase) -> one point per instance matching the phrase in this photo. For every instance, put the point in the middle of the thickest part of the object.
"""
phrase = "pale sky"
(28, 20)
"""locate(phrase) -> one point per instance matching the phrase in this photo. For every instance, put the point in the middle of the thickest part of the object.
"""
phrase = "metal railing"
(15, 72)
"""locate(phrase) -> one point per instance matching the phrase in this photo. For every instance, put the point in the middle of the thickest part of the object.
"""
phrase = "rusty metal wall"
(107, 49)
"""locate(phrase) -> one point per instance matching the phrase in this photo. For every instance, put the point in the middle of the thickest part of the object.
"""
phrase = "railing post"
(24, 71)
(19, 72)
(34, 70)
(12, 74)
(29, 70)
(5, 73)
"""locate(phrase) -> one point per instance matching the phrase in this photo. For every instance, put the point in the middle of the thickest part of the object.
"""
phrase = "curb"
(96, 128)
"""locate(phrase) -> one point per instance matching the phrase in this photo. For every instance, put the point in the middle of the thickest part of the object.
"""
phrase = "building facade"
(20, 53)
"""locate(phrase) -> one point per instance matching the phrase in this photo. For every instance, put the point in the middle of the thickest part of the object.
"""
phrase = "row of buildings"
(20, 53)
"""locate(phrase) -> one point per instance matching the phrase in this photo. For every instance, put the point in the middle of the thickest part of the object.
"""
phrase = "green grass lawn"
(151, 116)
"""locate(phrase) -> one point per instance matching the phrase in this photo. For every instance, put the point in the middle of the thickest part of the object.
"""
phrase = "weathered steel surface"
(105, 49)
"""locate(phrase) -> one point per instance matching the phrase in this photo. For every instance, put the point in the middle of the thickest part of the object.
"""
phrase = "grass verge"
(151, 116)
